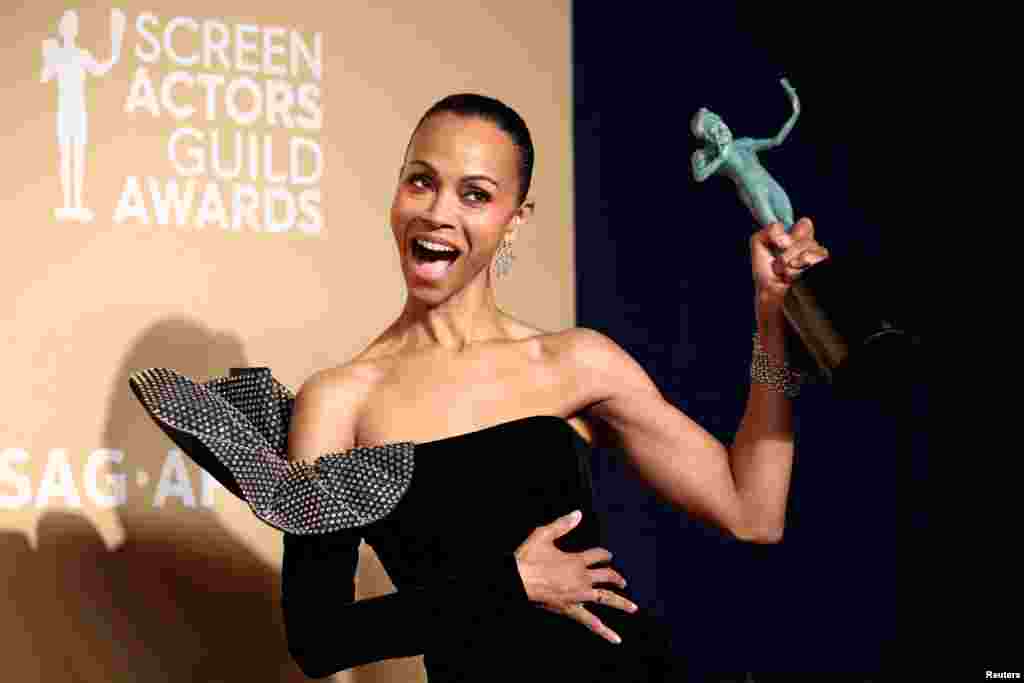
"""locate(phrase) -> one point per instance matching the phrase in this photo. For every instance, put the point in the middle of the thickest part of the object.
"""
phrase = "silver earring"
(503, 261)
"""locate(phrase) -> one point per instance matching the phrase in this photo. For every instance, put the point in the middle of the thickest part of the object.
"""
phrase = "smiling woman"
(468, 165)
(432, 257)
(458, 444)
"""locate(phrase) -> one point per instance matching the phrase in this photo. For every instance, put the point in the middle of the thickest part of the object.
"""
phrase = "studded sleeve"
(329, 631)
(235, 427)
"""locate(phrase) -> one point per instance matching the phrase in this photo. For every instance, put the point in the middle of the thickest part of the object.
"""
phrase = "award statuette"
(844, 338)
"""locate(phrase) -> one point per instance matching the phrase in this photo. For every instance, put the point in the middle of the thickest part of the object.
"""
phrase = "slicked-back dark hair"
(500, 114)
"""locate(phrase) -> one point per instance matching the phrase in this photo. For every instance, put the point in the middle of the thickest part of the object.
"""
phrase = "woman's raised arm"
(740, 490)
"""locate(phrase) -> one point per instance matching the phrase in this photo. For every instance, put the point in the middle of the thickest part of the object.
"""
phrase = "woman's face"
(457, 196)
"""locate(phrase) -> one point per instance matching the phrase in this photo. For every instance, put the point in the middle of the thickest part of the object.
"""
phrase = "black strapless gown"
(447, 543)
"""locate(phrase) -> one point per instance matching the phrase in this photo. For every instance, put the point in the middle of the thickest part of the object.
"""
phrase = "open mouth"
(432, 260)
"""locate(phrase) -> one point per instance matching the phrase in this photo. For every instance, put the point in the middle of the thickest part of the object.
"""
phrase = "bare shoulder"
(585, 347)
(598, 363)
(598, 373)
(583, 341)
(350, 375)
(562, 347)
(326, 409)
(520, 330)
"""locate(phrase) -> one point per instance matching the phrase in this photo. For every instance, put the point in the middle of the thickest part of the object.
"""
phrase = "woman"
(461, 431)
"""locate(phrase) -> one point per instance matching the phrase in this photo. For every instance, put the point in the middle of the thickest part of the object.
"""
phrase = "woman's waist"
(417, 554)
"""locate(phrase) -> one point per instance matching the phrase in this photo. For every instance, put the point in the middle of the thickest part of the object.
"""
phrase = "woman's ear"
(521, 216)
(524, 213)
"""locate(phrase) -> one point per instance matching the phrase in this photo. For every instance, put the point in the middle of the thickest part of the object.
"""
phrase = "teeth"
(433, 246)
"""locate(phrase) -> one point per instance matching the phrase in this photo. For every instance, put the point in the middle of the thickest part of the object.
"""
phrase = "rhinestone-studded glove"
(236, 428)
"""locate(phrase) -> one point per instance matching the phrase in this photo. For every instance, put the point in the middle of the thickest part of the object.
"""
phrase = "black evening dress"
(443, 516)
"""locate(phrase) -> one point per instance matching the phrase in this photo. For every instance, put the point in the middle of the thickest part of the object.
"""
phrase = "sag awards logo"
(103, 479)
(245, 103)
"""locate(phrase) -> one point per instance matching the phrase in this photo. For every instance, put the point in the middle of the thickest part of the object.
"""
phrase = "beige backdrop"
(174, 582)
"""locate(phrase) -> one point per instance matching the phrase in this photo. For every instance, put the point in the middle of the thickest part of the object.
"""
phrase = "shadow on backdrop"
(183, 598)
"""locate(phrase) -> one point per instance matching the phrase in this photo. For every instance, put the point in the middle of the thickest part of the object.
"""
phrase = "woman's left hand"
(773, 275)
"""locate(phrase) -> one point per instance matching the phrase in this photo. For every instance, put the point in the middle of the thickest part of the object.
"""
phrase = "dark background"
(663, 268)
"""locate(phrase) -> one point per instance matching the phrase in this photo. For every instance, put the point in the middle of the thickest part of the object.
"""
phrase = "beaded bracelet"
(765, 369)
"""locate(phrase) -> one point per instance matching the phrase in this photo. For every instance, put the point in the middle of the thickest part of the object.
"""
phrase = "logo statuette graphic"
(70, 65)
(244, 107)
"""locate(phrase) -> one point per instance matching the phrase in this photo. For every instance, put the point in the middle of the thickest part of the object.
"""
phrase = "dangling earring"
(503, 261)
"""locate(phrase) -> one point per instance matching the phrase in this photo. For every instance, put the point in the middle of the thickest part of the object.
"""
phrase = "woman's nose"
(443, 210)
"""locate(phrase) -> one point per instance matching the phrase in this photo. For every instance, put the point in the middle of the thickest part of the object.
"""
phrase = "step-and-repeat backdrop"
(203, 185)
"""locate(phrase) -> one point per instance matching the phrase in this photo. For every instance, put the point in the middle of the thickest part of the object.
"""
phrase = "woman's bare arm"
(324, 414)
(742, 489)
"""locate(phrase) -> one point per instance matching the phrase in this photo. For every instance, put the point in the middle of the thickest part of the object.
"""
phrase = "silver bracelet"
(765, 369)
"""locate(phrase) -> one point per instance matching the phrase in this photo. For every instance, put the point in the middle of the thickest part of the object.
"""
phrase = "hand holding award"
(838, 330)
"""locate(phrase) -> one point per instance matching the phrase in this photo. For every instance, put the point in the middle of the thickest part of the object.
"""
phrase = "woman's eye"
(477, 196)
(420, 181)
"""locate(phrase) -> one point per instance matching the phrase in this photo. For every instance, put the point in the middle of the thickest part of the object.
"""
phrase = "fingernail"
(575, 514)
(618, 640)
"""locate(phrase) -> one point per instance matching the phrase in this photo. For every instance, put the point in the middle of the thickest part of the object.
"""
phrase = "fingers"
(802, 253)
(561, 526)
(613, 599)
(590, 620)
(792, 252)
(594, 556)
(798, 258)
(803, 229)
(773, 237)
(607, 575)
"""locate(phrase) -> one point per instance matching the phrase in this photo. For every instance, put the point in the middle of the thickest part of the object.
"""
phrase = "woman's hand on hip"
(561, 582)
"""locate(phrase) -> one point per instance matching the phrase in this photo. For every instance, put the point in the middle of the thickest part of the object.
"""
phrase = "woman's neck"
(465, 318)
